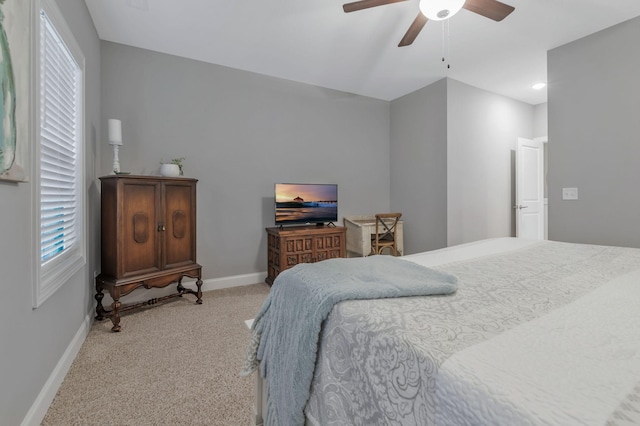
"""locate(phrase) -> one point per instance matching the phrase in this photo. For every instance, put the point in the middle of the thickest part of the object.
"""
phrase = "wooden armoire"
(148, 233)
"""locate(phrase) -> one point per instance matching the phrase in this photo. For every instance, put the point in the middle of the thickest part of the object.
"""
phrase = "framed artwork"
(15, 75)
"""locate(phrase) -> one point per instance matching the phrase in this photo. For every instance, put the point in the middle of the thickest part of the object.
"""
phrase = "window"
(60, 166)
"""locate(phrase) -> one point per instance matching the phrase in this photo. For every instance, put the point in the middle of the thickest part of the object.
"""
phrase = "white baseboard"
(234, 281)
(39, 408)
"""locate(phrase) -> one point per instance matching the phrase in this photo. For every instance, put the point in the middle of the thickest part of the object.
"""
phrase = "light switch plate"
(569, 193)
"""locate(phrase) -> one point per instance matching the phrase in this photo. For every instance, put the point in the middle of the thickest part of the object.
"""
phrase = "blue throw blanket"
(286, 331)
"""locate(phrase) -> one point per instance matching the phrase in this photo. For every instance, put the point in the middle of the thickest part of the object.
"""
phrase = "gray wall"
(240, 133)
(419, 166)
(34, 340)
(594, 111)
(483, 129)
(540, 120)
(453, 163)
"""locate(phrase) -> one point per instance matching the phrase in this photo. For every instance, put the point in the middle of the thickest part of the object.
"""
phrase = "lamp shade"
(439, 10)
(115, 132)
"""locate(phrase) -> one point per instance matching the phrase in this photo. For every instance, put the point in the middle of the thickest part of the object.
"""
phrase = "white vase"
(169, 170)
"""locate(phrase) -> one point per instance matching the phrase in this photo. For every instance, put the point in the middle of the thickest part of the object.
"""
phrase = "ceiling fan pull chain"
(448, 44)
(446, 50)
(443, 49)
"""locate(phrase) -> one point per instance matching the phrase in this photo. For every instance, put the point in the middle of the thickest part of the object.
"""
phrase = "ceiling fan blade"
(491, 9)
(413, 30)
(366, 4)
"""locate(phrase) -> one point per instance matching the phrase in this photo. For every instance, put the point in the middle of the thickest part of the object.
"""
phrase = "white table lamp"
(115, 139)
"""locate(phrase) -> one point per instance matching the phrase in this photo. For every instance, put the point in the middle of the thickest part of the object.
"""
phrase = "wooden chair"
(385, 236)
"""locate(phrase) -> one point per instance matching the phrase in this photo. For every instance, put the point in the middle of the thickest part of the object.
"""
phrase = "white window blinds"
(60, 127)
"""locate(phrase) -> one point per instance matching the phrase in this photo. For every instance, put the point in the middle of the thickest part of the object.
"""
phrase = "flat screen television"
(300, 203)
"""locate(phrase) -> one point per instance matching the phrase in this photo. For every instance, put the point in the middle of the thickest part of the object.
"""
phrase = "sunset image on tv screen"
(306, 203)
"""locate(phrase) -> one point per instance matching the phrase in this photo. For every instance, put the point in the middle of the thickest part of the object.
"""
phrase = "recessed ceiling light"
(539, 86)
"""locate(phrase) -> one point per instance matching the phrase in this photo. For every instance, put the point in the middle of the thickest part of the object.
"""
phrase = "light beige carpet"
(175, 363)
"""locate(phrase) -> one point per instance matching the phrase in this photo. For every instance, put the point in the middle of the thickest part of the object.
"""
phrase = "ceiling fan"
(438, 10)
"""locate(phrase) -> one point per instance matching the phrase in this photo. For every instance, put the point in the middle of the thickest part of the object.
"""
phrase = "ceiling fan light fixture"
(439, 10)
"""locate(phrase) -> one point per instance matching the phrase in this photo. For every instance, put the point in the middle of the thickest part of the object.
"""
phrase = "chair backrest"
(386, 224)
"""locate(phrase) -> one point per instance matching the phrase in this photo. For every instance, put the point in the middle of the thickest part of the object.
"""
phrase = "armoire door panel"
(140, 242)
(180, 224)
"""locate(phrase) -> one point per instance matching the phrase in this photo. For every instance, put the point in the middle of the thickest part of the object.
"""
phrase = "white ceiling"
(315, 42)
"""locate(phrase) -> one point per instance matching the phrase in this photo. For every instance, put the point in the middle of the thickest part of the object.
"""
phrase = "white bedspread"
(538, 333)
(570, 367)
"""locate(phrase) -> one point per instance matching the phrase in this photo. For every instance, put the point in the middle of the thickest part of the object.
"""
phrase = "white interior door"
(529, 189)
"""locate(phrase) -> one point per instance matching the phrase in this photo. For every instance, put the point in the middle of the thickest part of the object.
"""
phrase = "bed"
(538, 332)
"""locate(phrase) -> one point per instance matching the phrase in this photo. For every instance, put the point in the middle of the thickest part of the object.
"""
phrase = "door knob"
(520, 206)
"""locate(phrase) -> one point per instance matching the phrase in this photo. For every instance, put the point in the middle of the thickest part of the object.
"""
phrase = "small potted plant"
(172, 169)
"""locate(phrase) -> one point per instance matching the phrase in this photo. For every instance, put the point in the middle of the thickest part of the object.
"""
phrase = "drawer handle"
(161, 228)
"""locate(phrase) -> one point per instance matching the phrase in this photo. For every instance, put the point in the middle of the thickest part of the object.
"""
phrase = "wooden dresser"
(148, 239)
(288, 246)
